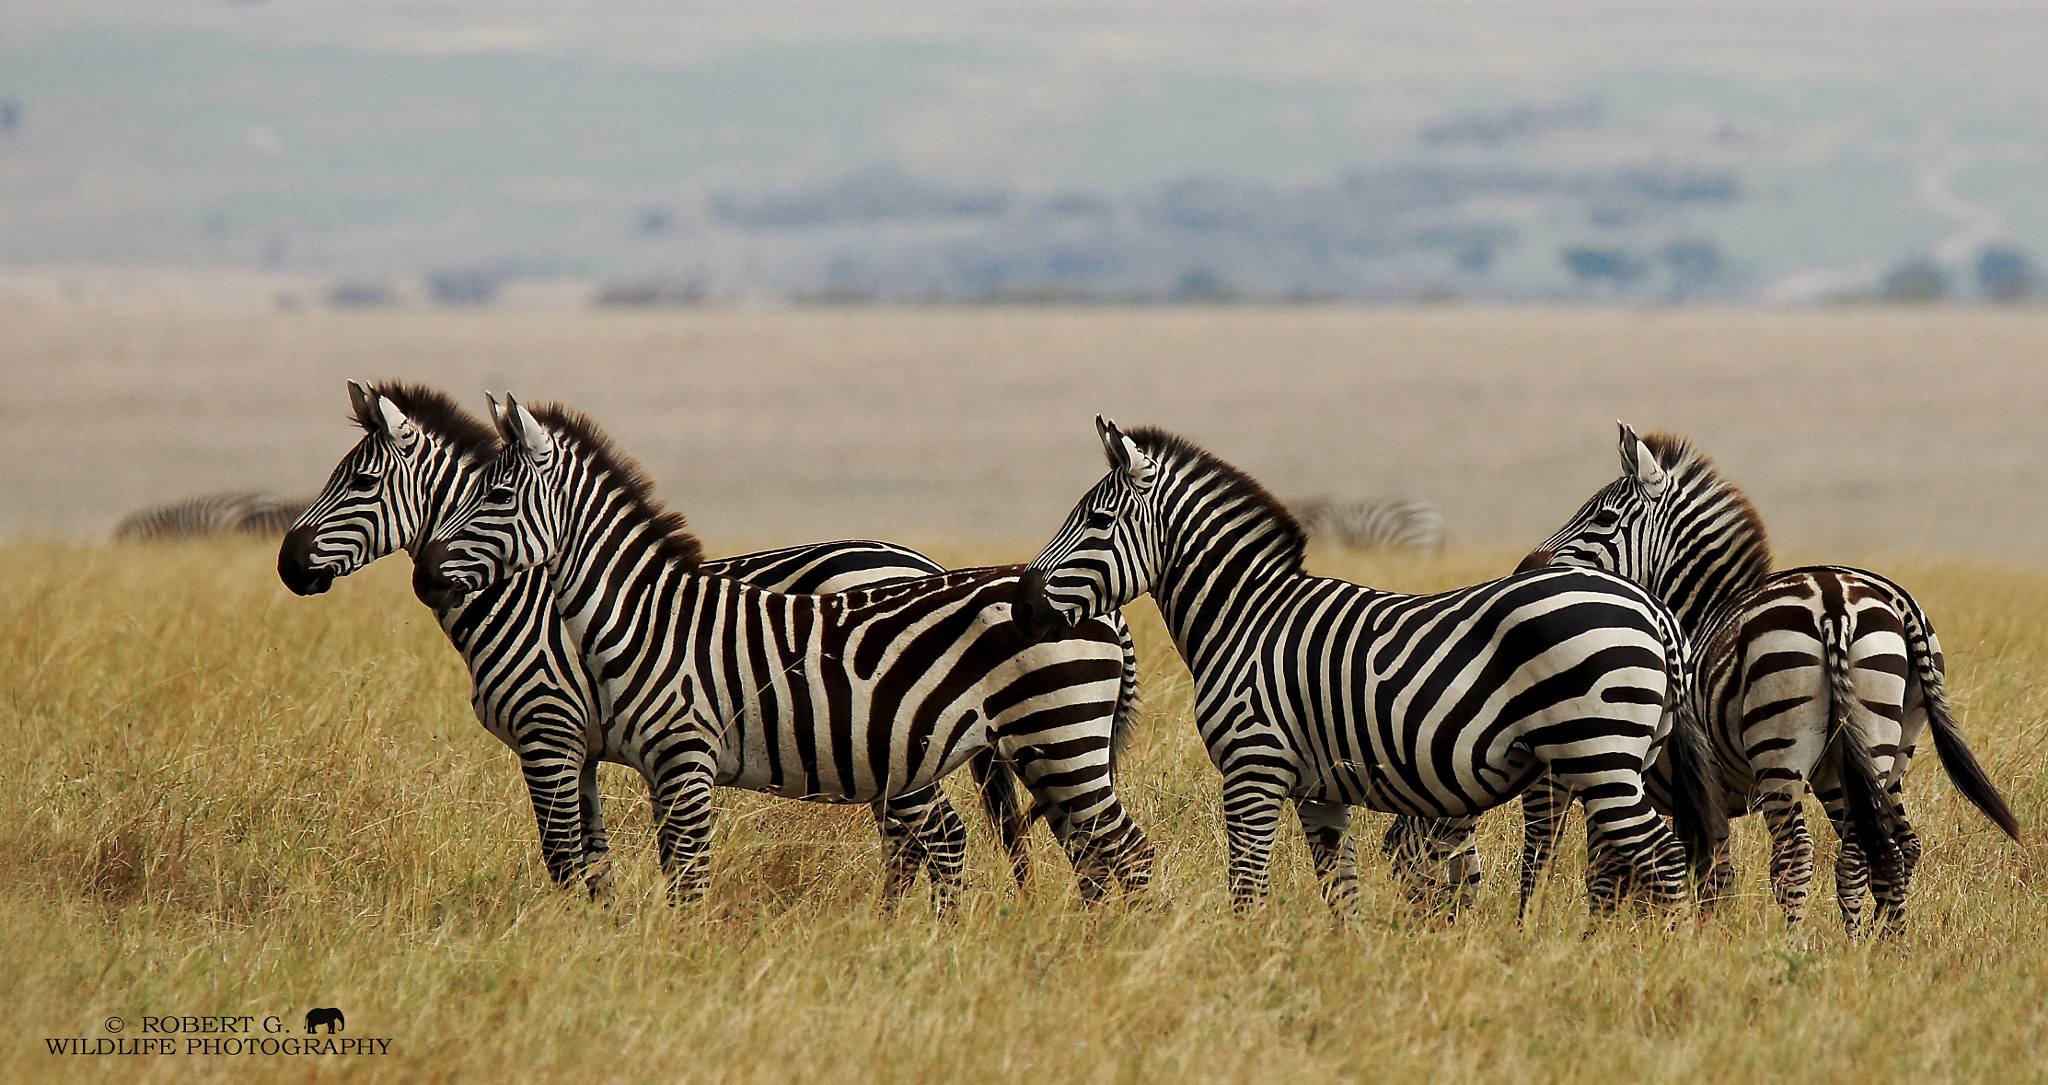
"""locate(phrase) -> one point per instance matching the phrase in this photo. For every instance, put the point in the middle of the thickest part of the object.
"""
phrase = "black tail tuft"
(1697, 811)
(1124, 726)
(998, 784)
(1956, 758)
(1873, 821)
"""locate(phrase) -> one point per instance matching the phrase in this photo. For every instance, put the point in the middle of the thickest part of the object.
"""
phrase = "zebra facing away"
(1821, 677)
(853, 697)
(530, 688)
(256, 514)
(1373, 524)
(1333, 694)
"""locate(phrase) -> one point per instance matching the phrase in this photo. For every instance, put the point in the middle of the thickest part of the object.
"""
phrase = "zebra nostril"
(432, 583)
(295, 565)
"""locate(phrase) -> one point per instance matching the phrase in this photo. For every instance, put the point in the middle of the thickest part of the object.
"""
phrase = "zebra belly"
(809, 748)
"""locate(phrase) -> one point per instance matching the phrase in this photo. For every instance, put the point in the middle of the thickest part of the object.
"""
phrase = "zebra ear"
(359, 401)
(522, 428)
(1112, 442)
(1125, 455)
(396, 426)
(1639, 463)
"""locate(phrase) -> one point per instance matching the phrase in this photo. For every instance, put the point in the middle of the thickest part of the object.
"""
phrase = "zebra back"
(1384, 523)
(239, 513)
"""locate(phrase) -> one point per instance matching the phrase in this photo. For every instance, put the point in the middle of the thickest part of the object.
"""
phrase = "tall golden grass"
(220, 799)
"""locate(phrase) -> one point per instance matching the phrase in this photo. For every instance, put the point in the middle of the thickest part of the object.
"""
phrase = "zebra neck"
(445, 479)
(1706, 585)
(1216, 563)
(610, 562)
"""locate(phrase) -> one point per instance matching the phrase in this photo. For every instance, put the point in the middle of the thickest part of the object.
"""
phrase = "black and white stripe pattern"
(1332, 694)
(1387, 523)
(418, 455)
(258, 514)
(856, 697)
(1820, 677)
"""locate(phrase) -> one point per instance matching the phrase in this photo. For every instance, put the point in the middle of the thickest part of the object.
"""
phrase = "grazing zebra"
(259, 514)
(1373, 524)
(1820, 677)
(531, 690)
(854, 697)
(1333, 694)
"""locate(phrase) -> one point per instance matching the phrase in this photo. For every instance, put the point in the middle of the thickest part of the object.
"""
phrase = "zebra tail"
(1872, 820)
(1696, 807)
(1956, 758)
(997, 782)
(1125, 723)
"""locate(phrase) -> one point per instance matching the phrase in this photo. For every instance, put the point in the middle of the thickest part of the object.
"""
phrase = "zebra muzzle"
(1035, 616)
(432, 582)
(296, 567)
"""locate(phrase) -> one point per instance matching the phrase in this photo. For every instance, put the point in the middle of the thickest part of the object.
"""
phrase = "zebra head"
(1106, 554)
(1610, 530)
(375, 500)
(508, 523)
(1671, 523)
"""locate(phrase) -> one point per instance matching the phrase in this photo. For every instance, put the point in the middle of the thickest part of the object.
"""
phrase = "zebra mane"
(434, 412)
(1229, 480)
(676, 543)
(1682, 458)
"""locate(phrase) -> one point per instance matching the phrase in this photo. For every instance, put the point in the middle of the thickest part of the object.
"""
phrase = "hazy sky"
(385, 135)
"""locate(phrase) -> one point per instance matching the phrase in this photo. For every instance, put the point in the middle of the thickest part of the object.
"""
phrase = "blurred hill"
(373, 153)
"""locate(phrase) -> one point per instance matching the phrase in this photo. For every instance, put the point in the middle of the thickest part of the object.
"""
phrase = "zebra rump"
(248, 513)
(1386, 523)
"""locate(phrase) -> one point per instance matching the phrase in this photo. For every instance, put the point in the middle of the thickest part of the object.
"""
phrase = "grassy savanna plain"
(225, 800)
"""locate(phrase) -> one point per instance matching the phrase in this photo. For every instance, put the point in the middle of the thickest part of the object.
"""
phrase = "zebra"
(1333, 694)
(530, 688)
(1373, 524)
(852, 697)
(1821, 677)
(243, 513)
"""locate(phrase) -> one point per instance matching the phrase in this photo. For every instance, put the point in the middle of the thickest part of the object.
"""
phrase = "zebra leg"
(1893, 904)
(1628, 823)
(1852, 877)
(936, 839)
(1436, 860)
(1544, 807)
(1334, 853)
(683, 814)
(1791, 856)
(1909, 841)
(902, 852)
(1720, 883)
(1251, 818)
(1075, 789)
(1852, 867)
(597, 857)
(1610, 878)
(554, 778)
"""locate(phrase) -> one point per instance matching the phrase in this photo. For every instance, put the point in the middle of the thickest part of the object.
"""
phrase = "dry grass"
(226, 800)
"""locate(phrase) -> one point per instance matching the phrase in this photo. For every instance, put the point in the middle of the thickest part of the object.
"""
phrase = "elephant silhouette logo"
(329, 1016)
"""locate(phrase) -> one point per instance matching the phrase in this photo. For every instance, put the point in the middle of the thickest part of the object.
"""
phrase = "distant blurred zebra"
(259, 514)
(1386, 523)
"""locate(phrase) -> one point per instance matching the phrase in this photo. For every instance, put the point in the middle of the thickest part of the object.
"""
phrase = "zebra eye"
(1101, 518)
(1606, 518)
(499, 495)
(362, 482)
